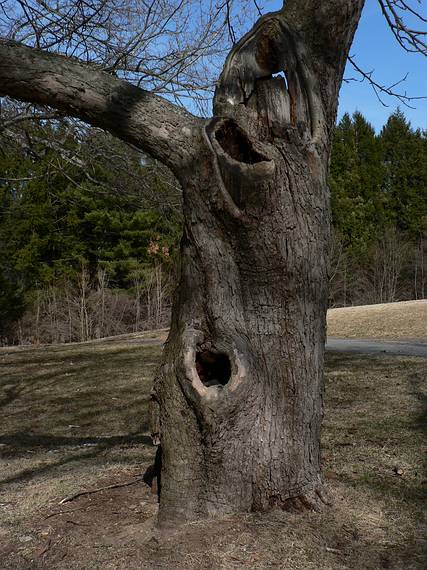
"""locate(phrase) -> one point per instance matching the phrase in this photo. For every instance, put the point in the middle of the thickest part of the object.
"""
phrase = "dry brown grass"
(404, 320)
(74, 418)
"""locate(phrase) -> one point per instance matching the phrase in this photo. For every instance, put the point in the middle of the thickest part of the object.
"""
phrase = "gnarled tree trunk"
(252, 293)
(239, 392)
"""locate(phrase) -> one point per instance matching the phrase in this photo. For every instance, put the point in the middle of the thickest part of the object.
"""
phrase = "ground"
(75, 418)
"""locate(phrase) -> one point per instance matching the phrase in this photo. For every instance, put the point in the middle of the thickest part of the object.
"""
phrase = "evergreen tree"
(379, 199)
(355, 181)
(71, 201)
(404, 158)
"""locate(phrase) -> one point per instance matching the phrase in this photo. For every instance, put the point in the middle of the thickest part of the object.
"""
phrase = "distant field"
(404, 320)
(75, 417)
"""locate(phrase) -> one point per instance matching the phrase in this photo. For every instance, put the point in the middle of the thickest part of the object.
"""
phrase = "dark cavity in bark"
(214, 369)
(236, 144)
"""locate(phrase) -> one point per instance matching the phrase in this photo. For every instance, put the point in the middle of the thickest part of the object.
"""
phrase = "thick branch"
(327, 26)
(143, 119)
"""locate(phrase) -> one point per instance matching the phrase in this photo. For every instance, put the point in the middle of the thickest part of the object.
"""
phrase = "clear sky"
(375, 48)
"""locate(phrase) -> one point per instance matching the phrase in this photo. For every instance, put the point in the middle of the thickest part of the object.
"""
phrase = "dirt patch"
(404, 320)
(373, 447)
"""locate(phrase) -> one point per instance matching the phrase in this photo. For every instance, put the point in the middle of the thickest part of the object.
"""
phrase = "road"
(397, 348)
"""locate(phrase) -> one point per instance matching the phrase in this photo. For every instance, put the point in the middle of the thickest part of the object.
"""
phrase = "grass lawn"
(393, 321)
(75, 417)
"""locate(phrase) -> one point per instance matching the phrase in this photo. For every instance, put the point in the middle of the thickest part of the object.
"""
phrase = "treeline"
(379, 208)
(90, 228)
(89, 231)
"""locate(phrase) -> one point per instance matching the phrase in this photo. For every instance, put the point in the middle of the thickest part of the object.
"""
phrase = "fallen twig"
(75, 523)
(97, 490)
(63, 512)
(333, 550)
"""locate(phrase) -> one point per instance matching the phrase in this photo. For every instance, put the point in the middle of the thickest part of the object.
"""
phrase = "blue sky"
(374, 47)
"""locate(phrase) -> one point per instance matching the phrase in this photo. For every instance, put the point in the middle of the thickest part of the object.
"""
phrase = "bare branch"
(99, 489)
(380, 90)
(151, 123)
(4, 124)
(136, 39)
(409, 38)
(229, 24)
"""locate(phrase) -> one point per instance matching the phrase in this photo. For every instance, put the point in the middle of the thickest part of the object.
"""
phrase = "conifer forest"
(87, 251)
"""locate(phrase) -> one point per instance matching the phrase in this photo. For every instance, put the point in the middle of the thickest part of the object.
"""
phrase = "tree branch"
(156, 126)
(28, 117)
(380, 90)
(409, 38)
(327, 26)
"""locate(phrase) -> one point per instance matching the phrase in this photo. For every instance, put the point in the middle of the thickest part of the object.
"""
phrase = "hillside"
(404, 320)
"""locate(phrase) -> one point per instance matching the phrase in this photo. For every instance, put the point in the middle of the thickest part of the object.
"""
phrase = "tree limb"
(327, 26)
(159, 128)
(408, 37)
(389, 90)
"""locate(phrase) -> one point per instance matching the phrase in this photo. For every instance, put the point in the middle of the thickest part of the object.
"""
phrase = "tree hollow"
(214, 369)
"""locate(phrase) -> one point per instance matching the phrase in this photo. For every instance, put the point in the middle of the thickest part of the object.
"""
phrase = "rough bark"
(253, 286)
(239, 394)
(151, 123)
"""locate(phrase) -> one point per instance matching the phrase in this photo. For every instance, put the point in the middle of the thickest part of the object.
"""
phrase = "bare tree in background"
(239, 392)
(388, 259)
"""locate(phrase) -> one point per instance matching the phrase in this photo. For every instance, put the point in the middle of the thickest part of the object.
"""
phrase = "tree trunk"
(240, 390)
(249, 319)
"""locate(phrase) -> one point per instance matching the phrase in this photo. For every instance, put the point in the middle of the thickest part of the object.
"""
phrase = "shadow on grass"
(55, 401)
(374, 431)
(25, 441)
(28, 474)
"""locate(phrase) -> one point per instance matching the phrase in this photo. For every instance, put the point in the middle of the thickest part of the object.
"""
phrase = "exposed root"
(311, 501)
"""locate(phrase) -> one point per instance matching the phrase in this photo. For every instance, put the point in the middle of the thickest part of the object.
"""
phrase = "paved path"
(397, 348)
